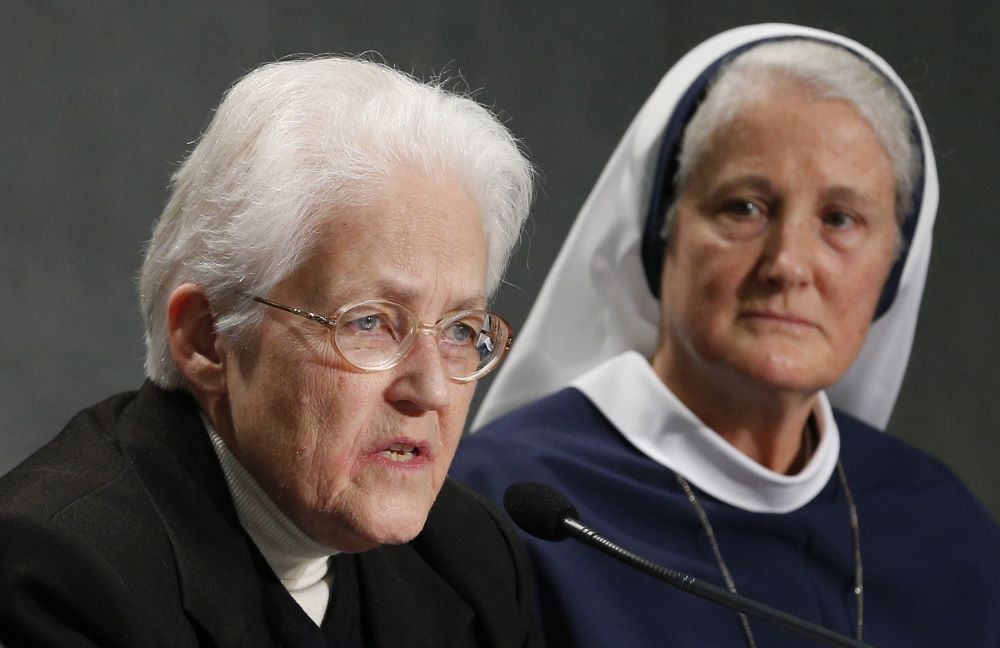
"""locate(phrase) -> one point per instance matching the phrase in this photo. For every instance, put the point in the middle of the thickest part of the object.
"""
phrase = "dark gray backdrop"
(101, 99)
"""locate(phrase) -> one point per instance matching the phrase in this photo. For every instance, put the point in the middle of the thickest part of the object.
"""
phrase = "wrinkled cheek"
(323, 405)
(322, 472)
(300, 418)
(328, 487)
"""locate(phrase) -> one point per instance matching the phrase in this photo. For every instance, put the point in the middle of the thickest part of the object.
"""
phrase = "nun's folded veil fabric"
(595, 302)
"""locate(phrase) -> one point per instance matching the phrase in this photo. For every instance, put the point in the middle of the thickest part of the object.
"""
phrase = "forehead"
(420, 238)
(792, 131)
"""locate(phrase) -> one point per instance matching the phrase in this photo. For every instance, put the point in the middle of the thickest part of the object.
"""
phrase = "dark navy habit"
(931, 552)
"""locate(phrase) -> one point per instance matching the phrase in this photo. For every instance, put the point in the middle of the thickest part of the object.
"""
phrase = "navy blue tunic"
(931, 552)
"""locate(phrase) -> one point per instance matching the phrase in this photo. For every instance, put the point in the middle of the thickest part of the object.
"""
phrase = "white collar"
(630, 394)
(299, 562)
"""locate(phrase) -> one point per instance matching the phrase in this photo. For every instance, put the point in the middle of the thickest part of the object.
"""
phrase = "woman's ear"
(196, 349)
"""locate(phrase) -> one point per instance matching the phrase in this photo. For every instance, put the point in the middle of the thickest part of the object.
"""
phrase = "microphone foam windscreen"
(538, 509)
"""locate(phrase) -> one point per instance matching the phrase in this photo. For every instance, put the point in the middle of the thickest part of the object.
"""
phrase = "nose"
(788, 255)
(422, 383)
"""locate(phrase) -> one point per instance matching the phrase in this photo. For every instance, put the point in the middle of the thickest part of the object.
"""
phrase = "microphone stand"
(707, 590)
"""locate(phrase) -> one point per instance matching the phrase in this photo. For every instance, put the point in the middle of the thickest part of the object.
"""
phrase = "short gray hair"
(291, 140)
(830, 71)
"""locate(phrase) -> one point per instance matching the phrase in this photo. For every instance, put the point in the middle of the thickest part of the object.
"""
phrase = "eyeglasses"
(375, 334)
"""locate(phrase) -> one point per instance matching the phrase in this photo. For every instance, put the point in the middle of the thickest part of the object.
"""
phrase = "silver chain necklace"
(728, 577)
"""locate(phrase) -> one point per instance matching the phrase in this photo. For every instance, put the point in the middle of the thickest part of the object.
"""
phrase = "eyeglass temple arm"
(291, 309)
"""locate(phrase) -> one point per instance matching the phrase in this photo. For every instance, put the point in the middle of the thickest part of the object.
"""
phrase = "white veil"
(595, 302)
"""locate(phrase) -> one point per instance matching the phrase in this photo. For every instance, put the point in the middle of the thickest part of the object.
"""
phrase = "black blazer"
(121, 532)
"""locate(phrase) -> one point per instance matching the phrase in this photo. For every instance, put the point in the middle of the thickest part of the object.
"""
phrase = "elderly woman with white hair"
(722, 338)
(315, 297)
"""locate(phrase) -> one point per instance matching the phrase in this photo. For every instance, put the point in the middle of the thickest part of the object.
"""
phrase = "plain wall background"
(100, 100)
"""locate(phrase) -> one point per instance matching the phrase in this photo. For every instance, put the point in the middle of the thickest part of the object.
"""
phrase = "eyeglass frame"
(331, 323)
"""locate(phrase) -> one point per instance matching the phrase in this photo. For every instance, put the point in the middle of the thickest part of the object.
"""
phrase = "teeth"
(400, 452)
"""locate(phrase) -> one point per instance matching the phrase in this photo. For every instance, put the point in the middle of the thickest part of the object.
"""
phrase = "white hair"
(828, 70)
(289, 142)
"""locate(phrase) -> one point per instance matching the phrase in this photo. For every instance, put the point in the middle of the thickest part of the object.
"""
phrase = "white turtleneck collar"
(631, 395)
(300, 563)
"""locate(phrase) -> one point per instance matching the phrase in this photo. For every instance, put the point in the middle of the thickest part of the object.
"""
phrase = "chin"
(391, 520)
(396, 529)
(365, 535)
(785, 373)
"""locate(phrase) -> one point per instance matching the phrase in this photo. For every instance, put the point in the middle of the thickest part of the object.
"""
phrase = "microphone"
(545, 513)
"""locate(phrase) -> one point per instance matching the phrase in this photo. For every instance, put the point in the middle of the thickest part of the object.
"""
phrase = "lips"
(779, 318)
(401, 452)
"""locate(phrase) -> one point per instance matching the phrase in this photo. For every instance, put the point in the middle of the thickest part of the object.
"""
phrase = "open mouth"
(401, 452)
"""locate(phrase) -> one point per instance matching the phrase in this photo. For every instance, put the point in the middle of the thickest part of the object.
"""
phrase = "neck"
(767, 425)
(300, 563)
(781, 445)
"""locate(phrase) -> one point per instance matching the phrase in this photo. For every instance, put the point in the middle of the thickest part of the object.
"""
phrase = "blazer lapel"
(170, 451)
(405, 603)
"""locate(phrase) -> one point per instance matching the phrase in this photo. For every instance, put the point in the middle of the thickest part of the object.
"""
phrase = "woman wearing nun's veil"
(718, 347)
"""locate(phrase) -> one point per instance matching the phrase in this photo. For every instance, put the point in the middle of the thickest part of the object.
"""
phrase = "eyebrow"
(407, 295)
(835, 193)
(842, 193)
(752, 181)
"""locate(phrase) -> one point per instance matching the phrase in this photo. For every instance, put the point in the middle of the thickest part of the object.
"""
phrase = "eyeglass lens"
(375, 334)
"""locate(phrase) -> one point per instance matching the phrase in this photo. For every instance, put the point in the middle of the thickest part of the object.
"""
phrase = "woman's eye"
(366, 323)
(839, 219)
(741, 208)
(741, 218)
(458, 333)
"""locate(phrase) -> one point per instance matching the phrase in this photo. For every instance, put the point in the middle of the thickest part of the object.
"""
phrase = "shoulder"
(561, 437)
(83, 462)
(924, 535)
(553, 414)
(70, 517)
(885, 459)
(888, 471)
(470, 547)
(94, 460)
(566, 422)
